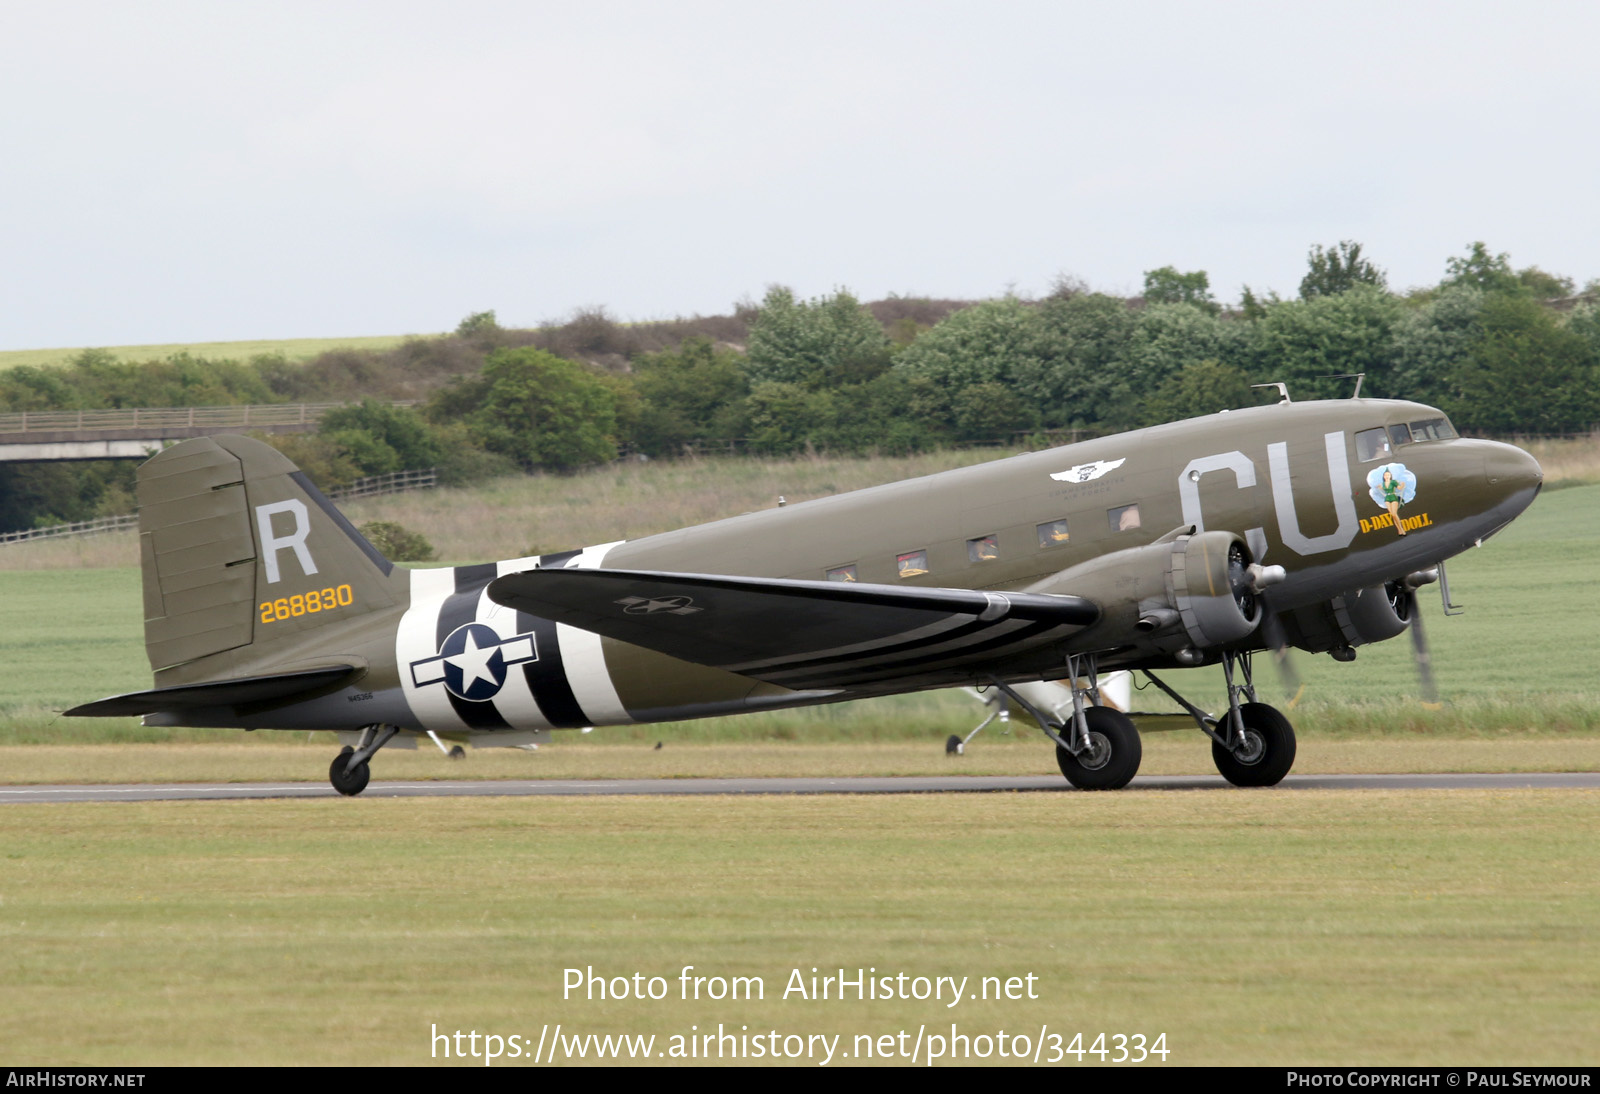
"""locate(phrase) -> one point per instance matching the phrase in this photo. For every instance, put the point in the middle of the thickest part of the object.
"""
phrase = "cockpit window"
(1399, 435)
(1432, 429)
(1372, 444)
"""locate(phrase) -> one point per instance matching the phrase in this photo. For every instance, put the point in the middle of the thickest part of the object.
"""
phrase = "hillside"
(291, 349)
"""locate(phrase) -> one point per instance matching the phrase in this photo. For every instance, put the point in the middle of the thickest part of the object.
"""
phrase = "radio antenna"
(1356, 376)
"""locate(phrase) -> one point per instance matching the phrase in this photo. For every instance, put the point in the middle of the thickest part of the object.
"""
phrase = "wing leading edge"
(799, 634)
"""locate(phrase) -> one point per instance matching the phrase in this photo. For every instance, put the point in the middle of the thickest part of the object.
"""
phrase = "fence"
(171, 417)
(78, 528)
(396, 482)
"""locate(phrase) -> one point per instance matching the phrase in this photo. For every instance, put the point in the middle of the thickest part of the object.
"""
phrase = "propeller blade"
(1419, 649)
(1277, 640)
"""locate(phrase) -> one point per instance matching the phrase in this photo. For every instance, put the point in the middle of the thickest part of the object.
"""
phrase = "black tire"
(1269, 753)
(954, 746)
(1114, 757)
(348, 784)
(458, 753)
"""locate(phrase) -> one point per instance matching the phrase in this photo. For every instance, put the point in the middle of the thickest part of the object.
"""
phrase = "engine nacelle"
(1186, 590)
(1352, 619)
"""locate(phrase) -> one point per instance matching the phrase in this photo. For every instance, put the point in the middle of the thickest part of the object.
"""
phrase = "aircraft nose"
(1511, 469)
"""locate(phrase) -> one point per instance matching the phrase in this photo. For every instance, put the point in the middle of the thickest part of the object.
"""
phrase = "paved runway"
(941, 784)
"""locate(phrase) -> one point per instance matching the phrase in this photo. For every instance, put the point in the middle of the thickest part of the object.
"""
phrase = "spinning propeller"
(1419, 637)
(1250, 584)
(1407, 604)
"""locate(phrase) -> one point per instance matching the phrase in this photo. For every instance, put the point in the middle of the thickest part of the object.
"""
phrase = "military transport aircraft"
(1298, 524)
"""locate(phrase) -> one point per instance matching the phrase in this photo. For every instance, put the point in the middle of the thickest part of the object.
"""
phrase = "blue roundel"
(474, 665)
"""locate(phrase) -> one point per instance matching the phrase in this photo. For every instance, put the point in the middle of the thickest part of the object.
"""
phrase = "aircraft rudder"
(238, 547)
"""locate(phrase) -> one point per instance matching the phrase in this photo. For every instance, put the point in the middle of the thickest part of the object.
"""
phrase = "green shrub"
(397, 543)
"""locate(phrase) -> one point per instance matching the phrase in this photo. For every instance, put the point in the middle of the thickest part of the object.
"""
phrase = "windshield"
(1432, 429)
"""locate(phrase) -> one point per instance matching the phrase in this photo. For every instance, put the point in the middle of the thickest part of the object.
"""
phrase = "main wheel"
(352, 783)
(954, 746)
(1267, 753)
(1112, 758)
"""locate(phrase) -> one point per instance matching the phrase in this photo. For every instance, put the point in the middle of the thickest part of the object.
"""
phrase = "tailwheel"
(1113, 755)
(351, 782)
(1267, 752)
(349, 772)
(954, 746)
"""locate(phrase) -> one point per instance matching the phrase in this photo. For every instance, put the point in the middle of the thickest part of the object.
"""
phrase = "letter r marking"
(295, 540)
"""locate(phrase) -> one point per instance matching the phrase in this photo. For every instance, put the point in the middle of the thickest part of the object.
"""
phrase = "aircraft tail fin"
(239, 549)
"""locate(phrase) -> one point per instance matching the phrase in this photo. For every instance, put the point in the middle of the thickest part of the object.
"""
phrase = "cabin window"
(1399, 435)
(1052, 533)
(843, 573)
(983, 549)
(1372, 444)
(1124, 519)
(1432, 429)
(912, 563)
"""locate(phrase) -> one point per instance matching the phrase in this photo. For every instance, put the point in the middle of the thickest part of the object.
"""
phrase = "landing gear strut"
(1253, 743)
(349, 772)
(956, 746)
(1098, 748)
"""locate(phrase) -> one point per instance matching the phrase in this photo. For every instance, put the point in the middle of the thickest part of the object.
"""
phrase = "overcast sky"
(207, 171)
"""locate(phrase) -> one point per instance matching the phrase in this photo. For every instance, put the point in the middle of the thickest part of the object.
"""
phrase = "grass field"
(1271, 928)
(294, 349)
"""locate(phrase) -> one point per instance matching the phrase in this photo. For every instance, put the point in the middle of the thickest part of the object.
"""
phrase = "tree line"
(1500, 349)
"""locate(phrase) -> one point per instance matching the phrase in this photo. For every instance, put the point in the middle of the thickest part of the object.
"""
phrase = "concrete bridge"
(140, 431)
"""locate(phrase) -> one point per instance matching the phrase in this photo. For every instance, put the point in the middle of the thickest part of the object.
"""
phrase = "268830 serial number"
(318, 600)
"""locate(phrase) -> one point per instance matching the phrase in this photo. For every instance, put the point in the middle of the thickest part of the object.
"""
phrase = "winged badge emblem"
(1088, 472)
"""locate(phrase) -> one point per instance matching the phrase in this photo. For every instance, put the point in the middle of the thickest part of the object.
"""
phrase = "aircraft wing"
(798, 634)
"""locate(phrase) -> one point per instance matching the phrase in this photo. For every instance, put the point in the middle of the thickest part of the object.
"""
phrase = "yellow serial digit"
(313, 602)
(266, 613)
(280, 608)
(345, 596)
(330, 599)
(297, 604)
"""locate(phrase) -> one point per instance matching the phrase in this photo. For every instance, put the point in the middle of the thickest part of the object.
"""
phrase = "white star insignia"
(474, 663)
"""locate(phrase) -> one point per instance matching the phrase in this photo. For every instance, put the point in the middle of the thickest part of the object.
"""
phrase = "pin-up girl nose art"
(1391, 486)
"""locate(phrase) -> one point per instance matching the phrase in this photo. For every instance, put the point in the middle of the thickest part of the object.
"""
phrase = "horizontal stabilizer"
(800, 634)
(215, 693)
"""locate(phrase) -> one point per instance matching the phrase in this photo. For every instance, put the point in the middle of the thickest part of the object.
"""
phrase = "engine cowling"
(1186, 590)
(1209, 585)
(1352, 619)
